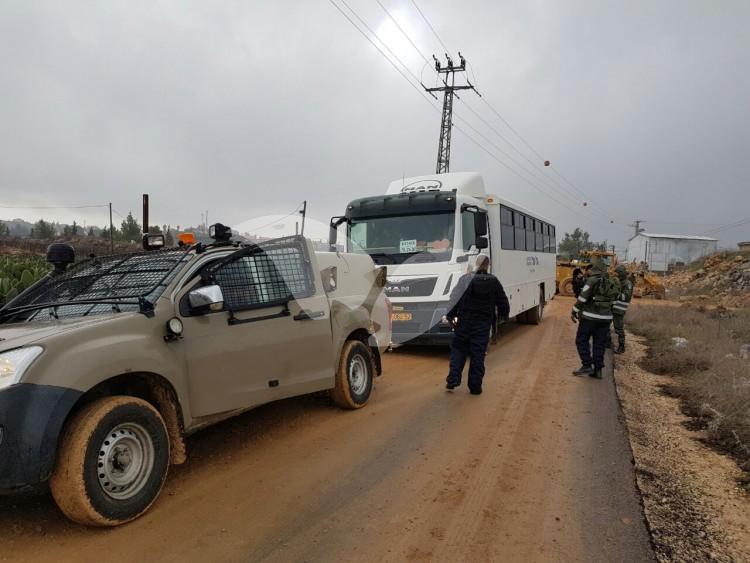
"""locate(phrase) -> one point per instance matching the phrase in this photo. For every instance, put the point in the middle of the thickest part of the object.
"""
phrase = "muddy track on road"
(537, 468)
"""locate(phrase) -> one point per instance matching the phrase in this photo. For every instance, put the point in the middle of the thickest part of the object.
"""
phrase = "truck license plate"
(400, 316)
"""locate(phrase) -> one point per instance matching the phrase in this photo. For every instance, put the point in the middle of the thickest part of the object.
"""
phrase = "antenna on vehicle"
(303, 212)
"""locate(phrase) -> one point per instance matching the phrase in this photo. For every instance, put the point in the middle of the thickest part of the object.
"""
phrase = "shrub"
(713, 377)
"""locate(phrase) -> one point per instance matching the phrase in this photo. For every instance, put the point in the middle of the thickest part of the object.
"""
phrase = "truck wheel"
(534, 316)
(354, 376)
(112, 462)
(566, 287)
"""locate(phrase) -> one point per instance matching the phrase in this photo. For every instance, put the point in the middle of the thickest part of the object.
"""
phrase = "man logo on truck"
(422, 186)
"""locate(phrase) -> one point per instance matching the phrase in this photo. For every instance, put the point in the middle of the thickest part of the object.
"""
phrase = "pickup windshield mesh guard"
(124, 282)
(274, 272)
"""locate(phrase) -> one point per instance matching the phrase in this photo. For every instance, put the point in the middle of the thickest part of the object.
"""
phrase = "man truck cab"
(429, 231)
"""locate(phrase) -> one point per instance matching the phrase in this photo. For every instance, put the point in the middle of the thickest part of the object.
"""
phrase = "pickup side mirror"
(333, 232)
(206, 299)
(481, 243)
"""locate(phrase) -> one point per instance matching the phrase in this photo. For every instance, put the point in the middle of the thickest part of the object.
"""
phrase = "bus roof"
(464, 183)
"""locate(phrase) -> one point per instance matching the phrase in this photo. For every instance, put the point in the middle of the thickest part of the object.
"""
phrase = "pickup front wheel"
(112, 462)
(354, 376)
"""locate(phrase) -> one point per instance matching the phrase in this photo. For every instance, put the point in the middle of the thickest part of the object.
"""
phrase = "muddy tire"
(534, 316)
(354, 376)
(566, 287)
(112, 462)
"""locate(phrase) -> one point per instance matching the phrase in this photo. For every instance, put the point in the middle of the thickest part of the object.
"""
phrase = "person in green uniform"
(620, 307)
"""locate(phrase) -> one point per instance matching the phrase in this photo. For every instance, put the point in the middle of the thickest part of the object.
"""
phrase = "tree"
(91, 231)
(4, 230)
(573, 244)
(105, 232)
(169, 237)
(70, 230)
(130, 229)
(42, 230)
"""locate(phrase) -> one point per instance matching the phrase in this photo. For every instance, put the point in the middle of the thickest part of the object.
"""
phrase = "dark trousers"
(470, 340)
(588, 330)
(619, 322)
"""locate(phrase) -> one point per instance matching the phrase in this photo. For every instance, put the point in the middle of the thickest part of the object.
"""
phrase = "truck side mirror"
(206, 299)
(481, 243)
(480, 224)
(333, 232)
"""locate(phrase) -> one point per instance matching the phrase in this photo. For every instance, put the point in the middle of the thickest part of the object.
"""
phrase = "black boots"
(590, 371)
(620, 348)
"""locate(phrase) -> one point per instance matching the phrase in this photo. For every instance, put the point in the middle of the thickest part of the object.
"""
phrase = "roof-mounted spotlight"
(220, 233)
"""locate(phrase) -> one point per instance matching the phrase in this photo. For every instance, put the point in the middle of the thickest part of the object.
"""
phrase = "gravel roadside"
(695, 507)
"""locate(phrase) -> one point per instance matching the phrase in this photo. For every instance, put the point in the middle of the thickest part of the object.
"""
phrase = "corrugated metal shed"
(661, 252)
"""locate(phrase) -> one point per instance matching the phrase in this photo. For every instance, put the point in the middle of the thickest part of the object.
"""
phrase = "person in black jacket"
(474, 305)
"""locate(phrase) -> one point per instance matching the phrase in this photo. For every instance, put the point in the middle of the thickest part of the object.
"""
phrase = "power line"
(296, 209)
(52, 206)
(406, 35)
(383, 43)
(403, 75)
(380, 51)
(555, 185)
(545, 181)
(732, 225)
(430, 26)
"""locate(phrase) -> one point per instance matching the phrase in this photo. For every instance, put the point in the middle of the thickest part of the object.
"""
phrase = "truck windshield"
(393, 240)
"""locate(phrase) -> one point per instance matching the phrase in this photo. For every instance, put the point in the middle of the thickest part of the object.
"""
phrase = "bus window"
(506, 229)
(530, 234)
(539, 237)
(520, 231)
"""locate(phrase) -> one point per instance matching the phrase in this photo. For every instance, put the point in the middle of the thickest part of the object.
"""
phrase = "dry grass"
(713, 380)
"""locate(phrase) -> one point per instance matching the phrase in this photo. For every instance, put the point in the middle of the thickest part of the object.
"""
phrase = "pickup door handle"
(308, 315)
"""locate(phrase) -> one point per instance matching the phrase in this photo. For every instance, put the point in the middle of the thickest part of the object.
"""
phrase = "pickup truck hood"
(15, 335)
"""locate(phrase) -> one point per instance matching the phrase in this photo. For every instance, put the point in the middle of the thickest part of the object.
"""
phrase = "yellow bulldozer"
(645, 284)
(565, 268)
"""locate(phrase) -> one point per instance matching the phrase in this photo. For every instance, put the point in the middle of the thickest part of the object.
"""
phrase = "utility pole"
(637, 226)
(111, 232)
(449, 88)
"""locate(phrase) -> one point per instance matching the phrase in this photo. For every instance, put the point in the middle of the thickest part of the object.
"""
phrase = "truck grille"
(415, 287)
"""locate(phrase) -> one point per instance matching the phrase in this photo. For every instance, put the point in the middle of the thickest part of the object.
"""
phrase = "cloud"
(246, 109)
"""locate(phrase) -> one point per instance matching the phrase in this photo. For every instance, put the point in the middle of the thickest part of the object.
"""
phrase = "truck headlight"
(14, 363)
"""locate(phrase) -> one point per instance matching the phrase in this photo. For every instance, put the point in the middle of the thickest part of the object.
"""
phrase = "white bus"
(429, 230)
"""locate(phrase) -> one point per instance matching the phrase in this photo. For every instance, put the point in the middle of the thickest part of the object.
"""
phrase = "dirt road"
(536, 469)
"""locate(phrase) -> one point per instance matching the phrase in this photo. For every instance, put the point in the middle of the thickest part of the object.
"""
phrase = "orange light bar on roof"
(186, 238)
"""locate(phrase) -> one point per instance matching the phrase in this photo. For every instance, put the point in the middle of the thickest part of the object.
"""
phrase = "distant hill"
(21, 228)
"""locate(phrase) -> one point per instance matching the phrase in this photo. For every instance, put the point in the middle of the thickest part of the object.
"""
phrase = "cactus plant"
(17, 272)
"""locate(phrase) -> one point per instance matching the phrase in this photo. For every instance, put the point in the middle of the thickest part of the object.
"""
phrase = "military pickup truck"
(108, 363)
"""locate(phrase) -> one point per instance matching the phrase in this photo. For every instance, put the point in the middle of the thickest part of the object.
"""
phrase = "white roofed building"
(662, 252)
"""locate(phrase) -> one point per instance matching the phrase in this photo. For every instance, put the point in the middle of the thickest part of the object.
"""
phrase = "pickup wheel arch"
(155, 390)
(368, 340)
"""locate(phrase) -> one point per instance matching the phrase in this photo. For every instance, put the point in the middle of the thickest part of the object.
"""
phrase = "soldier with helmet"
(620, 306)
(593, 312)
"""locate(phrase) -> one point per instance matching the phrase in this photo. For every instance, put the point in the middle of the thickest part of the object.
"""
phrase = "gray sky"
(247, 108)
